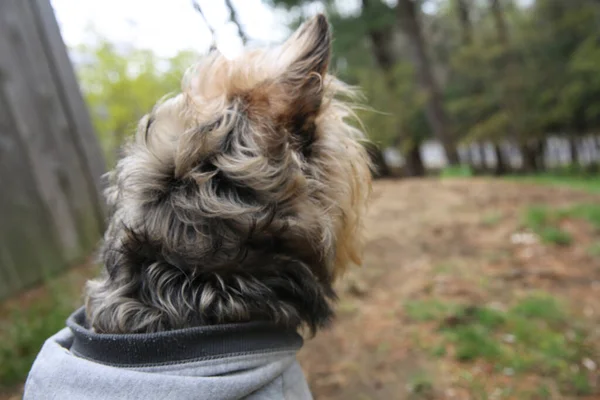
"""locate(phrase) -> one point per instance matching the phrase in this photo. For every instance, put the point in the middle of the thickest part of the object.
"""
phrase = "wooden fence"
(51, 212)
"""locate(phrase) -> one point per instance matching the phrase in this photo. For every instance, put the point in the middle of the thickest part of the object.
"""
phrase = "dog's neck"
(142, 296)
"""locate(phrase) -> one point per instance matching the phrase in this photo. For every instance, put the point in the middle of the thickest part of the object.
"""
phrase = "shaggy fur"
(240, 199)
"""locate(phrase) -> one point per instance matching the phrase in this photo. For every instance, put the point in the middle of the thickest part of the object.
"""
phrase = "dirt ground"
(451, 240)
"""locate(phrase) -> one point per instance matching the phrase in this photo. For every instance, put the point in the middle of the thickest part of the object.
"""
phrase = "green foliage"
(386, 126)
(24, 330)
(121, 85)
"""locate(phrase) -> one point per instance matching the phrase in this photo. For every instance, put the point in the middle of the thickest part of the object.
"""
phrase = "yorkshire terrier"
(240, 199)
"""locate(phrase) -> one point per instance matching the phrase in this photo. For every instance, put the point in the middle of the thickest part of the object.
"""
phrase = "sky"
(168, 26)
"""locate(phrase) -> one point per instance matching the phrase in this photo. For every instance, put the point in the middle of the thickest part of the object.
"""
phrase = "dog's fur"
(240, 199)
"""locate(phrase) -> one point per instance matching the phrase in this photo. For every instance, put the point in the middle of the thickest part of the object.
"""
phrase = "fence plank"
(21, 94)
(79, 118)
(51, 113)
(29, 247)
(51, 212)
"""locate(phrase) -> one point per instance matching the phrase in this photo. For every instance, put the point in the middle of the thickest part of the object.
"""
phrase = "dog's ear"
(305, 58)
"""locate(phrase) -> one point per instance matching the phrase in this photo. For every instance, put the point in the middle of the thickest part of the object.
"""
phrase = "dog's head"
(254, 159)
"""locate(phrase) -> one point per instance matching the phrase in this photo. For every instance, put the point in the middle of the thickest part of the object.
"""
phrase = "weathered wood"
(28, 245)
(51, 212)
(80, 122)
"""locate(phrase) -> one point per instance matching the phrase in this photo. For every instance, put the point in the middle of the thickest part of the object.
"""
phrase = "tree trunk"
(508, 69)
(386, 56)
(540, 162)
(499, 22)
(414, 162)
(528, 154)
(501, 167)
(465, 21)
(382, 42)
(436, 115)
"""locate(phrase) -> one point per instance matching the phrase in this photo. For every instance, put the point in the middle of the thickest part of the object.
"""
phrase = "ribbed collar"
(177, 346)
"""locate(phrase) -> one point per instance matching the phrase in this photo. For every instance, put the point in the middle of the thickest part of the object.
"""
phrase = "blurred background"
(481, 275)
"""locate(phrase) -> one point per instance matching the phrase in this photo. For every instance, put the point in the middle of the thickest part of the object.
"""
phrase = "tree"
(122, 84)
(466, 26)
(408, 16)
(382, 34)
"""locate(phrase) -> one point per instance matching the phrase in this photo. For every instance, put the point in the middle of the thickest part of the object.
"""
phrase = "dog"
(237, 202)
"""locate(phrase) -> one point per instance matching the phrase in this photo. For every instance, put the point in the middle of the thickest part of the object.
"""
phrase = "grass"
(587, 212)
(535, 335)
(540, 307)
(546, 222)
(24, 329)
(459, 171)
(420, 385)
(555, 235)
(583, 182)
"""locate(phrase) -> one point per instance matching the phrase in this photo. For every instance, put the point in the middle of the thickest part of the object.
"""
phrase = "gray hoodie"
(237, 361)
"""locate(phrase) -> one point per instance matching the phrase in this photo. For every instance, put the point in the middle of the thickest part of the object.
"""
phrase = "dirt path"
(448, 240)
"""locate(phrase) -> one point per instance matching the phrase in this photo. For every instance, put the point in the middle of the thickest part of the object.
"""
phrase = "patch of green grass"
(426, 310)
(459, 171)
(587, 212)
(491, 218)
(489, 317)
(420, 385)
(438, 350)
(587, 183)
(543, 392)
(543, 222)
(580, 384)
(473, 341)
(537, 217)
(476, 385)
(556, 236)
(25, 329)
(535, 335)
(540, 306)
